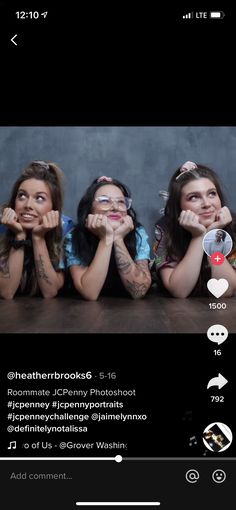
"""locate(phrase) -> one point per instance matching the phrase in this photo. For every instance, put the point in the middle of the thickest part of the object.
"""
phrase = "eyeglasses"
(122, 203)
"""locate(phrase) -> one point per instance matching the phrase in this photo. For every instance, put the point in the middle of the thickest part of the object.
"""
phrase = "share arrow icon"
(219, 381)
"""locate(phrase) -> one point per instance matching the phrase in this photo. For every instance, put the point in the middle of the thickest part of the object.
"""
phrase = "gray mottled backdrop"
(144, 158)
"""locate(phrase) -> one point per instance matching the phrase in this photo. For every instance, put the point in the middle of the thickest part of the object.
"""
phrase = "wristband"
(20, 244)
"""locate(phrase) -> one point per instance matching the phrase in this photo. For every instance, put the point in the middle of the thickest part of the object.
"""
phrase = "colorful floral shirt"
(162, 259)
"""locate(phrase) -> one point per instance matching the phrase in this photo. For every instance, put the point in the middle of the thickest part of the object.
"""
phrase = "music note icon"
(12, 445)
(192, 440)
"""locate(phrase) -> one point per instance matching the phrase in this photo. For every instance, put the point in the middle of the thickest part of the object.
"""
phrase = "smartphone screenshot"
(117, 258)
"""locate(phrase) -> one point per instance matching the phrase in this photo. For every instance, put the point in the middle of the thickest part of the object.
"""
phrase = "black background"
(103, 65)
(170, 374)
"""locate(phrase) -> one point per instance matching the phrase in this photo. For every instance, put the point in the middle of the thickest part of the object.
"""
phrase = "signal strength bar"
(188, 16)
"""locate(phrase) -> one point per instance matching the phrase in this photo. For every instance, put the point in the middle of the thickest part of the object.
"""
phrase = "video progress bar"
(118, 503)
(117, 458)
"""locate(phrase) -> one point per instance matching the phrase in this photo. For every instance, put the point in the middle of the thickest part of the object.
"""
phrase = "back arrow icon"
(12, 39)
(219, 381)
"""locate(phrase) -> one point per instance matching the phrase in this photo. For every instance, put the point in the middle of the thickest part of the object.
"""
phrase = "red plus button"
(217, 258)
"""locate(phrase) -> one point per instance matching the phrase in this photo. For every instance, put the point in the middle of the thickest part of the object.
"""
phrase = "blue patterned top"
(142, 248)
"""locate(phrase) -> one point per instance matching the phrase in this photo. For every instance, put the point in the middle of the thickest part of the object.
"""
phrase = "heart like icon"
(217, 287)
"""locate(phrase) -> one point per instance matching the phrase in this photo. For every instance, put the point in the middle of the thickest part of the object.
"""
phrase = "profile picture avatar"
(217, 437)
(217, 240)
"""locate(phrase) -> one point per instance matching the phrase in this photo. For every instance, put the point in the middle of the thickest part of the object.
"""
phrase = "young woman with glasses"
(108, 252)
(31, 243)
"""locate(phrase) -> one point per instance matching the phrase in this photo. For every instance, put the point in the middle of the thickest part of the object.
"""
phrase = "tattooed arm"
(135, 276)
(11, 271)
(11, 268)
(49, 280)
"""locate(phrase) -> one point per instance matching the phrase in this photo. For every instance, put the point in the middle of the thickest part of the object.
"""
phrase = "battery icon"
(217, 15)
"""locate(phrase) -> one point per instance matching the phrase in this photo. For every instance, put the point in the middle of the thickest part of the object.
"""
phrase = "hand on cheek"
(190, 222)
(126, 226)
(223, 217)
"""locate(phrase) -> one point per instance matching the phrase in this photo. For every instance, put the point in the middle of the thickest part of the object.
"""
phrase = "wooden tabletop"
(152, 314)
